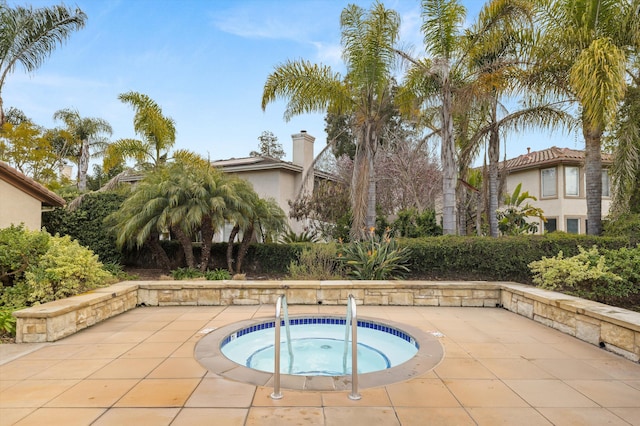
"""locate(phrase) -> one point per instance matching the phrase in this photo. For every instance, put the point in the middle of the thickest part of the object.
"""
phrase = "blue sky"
(205, 62)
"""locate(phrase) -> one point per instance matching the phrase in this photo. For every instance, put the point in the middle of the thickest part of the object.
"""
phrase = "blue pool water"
(318, 347)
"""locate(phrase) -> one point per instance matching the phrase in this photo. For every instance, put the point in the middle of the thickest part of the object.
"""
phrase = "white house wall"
(16, 207)
(560, 207)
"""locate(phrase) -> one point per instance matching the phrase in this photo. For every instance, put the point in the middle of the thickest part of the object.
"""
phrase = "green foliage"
(375, 258)
(626, 225)
(66, 269)
(303, 237)
(186, 273)
(413, 224)
(317, 262)
(19, 248)
(7, 321)
(512, 219)
(217, 274)
(86, 224)
(504, 258)
(584, 275)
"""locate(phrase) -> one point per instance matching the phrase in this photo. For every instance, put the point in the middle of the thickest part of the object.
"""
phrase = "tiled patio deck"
(138, 368)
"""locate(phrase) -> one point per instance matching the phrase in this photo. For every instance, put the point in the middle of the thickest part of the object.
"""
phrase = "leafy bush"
(624, 226)
(217, 275)
(303, 237)
(7, 322)
(186, 273)
(66, 269)
(376, 258)
(317, 262)
(411, 224)
(86, 224)
(584, 275)
(19, 248)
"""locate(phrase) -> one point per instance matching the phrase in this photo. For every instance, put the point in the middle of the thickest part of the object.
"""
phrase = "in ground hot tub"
(387, 352)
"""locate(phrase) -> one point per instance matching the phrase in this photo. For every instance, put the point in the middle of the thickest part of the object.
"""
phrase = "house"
(556, 177)
(277, 179)
(22, 199)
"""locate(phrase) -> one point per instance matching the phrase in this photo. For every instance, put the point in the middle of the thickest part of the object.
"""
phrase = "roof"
(29, 186)
(549, 157)
(247, 164)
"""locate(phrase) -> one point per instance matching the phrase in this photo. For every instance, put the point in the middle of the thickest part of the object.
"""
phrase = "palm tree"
(86, 133)
(435, 77)
(157, 133)
(368, 38)
(29, 36)
(583, 53)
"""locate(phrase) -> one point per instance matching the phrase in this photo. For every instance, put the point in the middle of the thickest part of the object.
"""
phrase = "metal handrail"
(280, 303)
(354, 395)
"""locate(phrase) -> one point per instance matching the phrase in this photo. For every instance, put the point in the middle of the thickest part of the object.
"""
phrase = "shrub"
(19, 248)
(317, 262)
(186, 273)
(376, 258)
(584, 275)
(7, 322)
(303, 237)
(217, 275)
(64, 270)
(86, 224)
(411, 224)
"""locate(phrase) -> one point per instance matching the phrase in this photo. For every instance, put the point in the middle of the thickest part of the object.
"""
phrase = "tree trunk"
(593, 177)
(2, 118)
(83, 166)
(359, 194)
(232, 237)
(187, 246)
(371, 196)
(244, 247)
(494, 158)
(158, 253)
(207, 238)
(448, 157)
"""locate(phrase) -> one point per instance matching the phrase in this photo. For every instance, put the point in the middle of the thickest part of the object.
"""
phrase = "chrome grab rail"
(354, 395)
(281, 305)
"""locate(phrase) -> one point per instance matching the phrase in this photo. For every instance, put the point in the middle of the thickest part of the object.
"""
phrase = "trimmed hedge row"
(505, 258)
(436, 258)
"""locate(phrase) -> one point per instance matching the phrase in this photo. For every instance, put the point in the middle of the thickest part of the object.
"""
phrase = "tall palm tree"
(583, 53)
(368, 39)
(29, 36)
(435, 77)
(157, 133)
(87, 133)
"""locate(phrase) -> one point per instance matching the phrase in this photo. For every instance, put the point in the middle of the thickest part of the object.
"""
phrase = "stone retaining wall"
(612, 328)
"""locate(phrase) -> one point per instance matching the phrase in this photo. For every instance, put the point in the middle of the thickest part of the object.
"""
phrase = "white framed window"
(573, 226)
(572, 181)
(551, 225)
(548, 181)
(606, 183)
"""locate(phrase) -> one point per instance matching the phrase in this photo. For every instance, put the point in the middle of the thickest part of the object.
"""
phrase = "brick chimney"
(303, 156)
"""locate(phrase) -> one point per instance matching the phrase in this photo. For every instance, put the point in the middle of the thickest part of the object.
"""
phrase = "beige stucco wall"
(560, 207)
(16, 207)
(277, 184)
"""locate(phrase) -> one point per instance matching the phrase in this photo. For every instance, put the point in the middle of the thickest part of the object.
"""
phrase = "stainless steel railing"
(351, 308)
(281, 306)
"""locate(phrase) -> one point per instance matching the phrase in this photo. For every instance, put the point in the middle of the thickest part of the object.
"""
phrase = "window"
(573, 226)
(549, 182)
(572, 181)
(606, 183)
(551, 225)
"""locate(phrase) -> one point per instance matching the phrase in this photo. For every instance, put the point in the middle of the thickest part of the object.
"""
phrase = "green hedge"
(504, 258)
(437, 258)
(86, 224)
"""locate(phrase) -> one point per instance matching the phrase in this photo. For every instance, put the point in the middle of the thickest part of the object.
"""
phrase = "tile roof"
(30, 186)
(549, 156)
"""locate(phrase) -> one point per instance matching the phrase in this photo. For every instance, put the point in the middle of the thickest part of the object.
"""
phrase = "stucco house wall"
(22, 199)
(566, 208)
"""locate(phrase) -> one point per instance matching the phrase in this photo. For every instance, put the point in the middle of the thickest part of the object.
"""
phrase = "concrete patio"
(139, 368)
